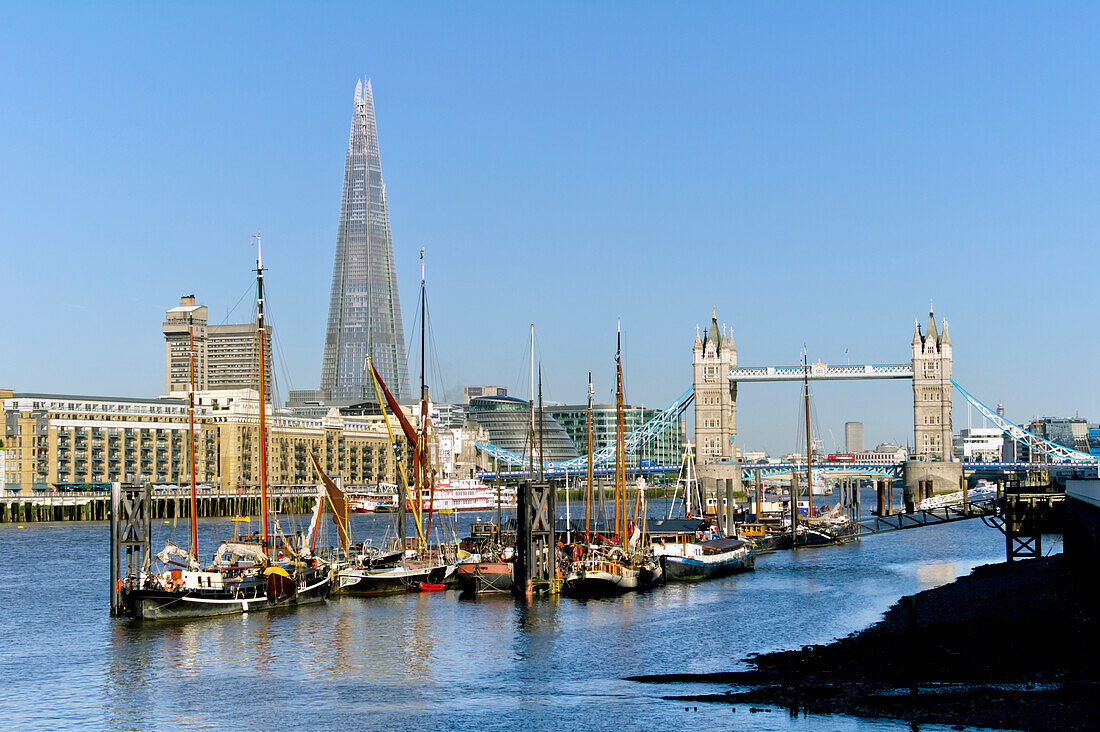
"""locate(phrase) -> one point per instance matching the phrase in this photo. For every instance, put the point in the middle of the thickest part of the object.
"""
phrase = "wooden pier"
(166, 504)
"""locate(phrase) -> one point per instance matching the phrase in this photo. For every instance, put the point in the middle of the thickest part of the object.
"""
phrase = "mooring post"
(116, 497)
(131, 525)
(731, 529)
(794, 508)
(536, 551)
(758, 497)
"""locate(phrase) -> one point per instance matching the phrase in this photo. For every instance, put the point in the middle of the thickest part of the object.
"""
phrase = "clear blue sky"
(815, 171)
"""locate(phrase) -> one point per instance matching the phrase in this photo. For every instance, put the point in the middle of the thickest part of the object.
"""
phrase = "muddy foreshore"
(1010, 646)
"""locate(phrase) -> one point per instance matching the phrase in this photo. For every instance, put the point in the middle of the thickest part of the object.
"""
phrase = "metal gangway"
(961, 511)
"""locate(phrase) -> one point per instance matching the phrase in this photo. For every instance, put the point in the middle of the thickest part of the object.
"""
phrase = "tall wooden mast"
(588, 492)
(531, 473)
(263, 396)
(422, 468)
(191, 435)
(809, 443)
(542, 461)
(620, 447)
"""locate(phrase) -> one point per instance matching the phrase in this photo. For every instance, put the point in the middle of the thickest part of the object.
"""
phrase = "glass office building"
(364, 310)
(665, 449)
(508, 422)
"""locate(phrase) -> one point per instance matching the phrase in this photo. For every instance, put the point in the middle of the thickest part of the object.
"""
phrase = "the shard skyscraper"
(364, 315)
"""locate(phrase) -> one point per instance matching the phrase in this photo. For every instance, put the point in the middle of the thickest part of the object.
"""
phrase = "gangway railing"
(927, 517)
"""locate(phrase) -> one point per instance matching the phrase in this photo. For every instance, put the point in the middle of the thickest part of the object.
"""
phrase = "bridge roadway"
(883, 470)
(822, 372)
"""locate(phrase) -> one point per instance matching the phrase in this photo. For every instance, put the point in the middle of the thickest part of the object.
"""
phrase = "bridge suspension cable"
(667, 417)
(1018, 433)
(648, 431)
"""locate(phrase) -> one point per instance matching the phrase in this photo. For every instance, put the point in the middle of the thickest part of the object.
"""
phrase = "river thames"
(435, 661)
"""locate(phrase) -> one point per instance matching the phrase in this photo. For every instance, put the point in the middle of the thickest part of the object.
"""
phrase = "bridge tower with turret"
(713, 355)
(932, 391)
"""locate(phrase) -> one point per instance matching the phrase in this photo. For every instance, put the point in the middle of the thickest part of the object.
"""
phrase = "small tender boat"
(428, 587)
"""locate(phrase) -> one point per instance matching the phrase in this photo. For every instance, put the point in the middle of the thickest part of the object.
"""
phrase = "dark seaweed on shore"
(1011, 646)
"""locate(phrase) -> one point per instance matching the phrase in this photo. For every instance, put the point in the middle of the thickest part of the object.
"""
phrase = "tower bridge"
(717, 376)
(931, 468)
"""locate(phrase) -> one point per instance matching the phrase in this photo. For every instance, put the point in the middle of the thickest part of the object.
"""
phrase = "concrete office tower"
(932, 390)
(364, 315)
(853, 437)
(715, 395)
(226, 355)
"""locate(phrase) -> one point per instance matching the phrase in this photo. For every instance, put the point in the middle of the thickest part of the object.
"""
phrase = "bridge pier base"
(924, 479)
(712, 478)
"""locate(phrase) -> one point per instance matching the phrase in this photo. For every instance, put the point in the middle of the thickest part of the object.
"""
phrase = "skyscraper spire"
(364, 315)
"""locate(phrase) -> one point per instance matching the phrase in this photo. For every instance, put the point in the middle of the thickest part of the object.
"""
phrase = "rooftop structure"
(226, 355)
(473, 392)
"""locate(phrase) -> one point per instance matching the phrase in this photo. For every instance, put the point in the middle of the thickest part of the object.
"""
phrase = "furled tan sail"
(336, 498)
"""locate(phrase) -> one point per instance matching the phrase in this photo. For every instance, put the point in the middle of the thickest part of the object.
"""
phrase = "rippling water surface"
(432, 660)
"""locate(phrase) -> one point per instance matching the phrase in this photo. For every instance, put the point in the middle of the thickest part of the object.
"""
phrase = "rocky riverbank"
(1010, 646)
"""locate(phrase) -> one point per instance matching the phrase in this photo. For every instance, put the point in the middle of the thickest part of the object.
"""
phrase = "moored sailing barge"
(243, 577)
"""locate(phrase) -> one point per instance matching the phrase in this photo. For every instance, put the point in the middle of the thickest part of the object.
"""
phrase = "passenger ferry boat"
(382, 500)
(467, 494)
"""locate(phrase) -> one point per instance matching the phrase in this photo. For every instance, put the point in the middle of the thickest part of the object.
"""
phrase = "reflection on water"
(934, 574)
(433, 660)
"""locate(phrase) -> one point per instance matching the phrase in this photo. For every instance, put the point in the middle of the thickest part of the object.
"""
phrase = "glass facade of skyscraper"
(665, 449)
(364, 310)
